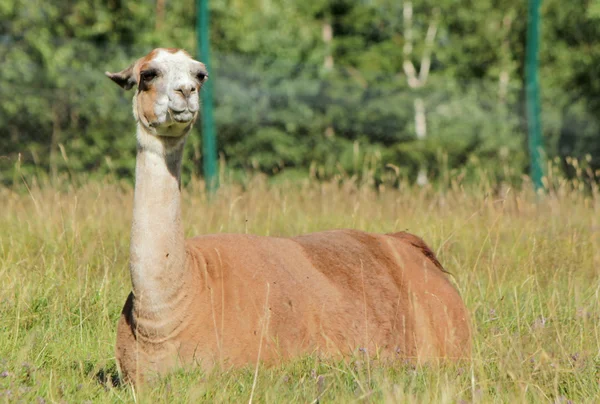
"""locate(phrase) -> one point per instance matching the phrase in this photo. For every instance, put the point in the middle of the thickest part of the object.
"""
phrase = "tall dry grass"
(528, 267)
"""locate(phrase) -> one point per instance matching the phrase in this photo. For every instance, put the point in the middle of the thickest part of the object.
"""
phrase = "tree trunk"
(54, 140)
(421, 131)
(160, 13)
(327, 38)
(420, 119)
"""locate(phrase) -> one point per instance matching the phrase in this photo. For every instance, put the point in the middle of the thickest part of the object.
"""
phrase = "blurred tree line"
(327, 85)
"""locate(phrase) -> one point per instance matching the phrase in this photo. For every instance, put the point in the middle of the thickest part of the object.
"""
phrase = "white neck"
(157, 256)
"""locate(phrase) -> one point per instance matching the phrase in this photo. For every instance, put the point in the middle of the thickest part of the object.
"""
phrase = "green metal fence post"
(533, 94)
(209, 144)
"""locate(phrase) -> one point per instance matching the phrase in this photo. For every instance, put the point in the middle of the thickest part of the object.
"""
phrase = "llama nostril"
(186, 91)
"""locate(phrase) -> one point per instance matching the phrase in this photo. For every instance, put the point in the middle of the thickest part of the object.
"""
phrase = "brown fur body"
(332, 292)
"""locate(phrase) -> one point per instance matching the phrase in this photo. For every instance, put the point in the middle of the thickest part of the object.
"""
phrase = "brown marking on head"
(143, 62)
(145, 104)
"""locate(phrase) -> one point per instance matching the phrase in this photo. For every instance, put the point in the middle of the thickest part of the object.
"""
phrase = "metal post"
(209, 144)
(533, 94)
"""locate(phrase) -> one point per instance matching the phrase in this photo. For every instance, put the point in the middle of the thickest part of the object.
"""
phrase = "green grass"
(527, 267)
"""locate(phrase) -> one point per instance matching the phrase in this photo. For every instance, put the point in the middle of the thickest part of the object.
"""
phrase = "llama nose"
(185, 90)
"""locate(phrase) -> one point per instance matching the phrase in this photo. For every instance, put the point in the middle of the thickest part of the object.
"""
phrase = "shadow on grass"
(109, 377)
(106, 375)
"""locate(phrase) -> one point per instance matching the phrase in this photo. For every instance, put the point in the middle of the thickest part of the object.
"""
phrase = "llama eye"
(148, 75)
(201, 76)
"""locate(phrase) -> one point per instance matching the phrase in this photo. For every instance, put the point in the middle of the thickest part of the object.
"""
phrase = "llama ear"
(124, 78)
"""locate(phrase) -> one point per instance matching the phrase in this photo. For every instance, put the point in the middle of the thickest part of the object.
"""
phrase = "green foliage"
(280, 105)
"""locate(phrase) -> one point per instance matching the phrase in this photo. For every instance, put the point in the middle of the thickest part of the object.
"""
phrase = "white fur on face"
(168, 103)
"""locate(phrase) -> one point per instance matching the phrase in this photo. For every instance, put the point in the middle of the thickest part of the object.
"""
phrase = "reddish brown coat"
(331, 292)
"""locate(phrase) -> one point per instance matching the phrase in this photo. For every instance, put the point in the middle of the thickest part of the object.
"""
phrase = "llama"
(232, 299)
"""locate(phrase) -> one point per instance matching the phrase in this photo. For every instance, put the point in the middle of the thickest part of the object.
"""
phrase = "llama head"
(166, 100)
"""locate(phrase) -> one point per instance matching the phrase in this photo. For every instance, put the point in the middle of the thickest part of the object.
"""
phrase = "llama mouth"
(182, 116)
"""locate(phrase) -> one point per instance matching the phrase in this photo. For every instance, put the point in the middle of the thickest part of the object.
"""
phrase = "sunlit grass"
(528, 268)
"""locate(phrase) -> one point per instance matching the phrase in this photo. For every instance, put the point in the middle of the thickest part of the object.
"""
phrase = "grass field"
(527, 267)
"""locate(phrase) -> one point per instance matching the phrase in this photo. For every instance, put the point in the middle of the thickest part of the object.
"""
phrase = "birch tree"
(418, 79)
